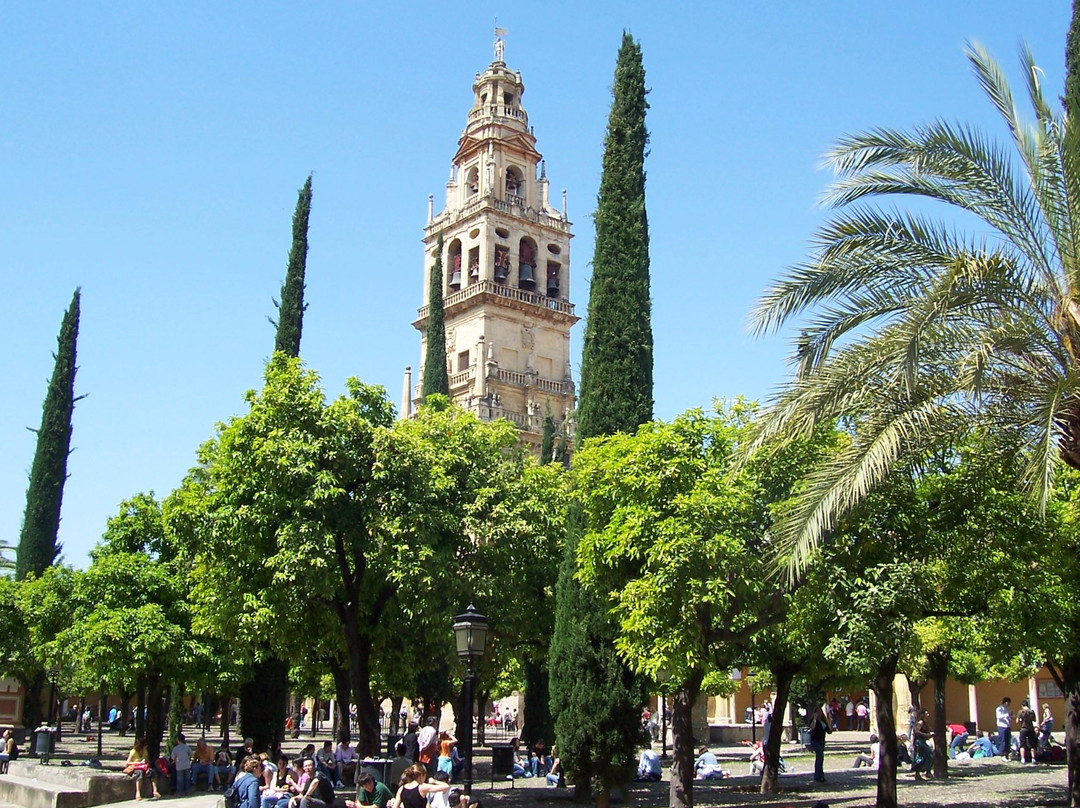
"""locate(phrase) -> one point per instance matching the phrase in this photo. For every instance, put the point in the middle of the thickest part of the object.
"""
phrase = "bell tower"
(506, 264)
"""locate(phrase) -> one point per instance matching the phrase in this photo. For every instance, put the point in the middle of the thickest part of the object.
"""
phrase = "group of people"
(916, 750)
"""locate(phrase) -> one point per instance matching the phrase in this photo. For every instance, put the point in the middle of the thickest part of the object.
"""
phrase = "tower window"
(515, 185)
(463, 361)
(502, 264)
(552, 279)
(526, 264)
(472, 181)
(453, 268)
(474, 265)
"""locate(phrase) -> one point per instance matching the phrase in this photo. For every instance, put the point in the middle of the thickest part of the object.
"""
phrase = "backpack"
(232, 797)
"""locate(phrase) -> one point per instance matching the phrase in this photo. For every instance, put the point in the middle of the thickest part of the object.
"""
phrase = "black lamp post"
(470, 634)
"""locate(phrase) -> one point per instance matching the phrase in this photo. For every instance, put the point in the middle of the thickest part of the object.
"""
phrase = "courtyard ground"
(981, 784)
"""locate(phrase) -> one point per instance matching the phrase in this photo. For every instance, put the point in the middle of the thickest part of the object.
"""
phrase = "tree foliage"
(38, 546)
(436, 379)
(617, 357)
(921, 329)
(307, 513)
(290, 322)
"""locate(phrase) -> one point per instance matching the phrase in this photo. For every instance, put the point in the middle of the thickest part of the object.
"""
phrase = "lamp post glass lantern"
(471, 638)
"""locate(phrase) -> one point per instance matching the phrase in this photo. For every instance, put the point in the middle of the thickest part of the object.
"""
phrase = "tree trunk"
(263, 701)
(102, 706)
(886, 726)
(939, 670)
(140, 706)
(1070, 675)
(79, 717)
(125, 712)
(783, 675)
(681, 791)
(154, 723)
(342, 687)
(367, 712)
(226, 713)
(298, 700)
(32, 687)
(482, 699)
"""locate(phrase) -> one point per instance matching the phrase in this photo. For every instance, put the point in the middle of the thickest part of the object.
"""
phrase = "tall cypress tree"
(290, 322)
(547, 440)
(264, 698)
(436, 379)
(617, 358)
(38, 547)
(1071, 99)
(595, 699)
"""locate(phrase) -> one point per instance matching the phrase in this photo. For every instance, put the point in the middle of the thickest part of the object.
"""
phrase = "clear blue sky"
(151, 154)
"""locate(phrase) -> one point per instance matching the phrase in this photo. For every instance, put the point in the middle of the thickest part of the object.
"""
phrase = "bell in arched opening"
(455, 280)
(526, 279)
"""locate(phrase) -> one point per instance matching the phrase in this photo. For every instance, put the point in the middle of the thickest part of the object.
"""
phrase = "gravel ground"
(982, 783)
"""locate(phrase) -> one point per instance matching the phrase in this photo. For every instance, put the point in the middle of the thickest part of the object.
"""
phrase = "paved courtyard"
(991, 782)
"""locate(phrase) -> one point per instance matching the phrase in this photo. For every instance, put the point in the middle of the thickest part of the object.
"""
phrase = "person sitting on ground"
(247, 782)
(241, 752)
(224, 770)
(326, 762)
(138, 768)
(269, 771)
(539, 759)
(416, 788)
(202, 762)
(520, 763)
(649, 769)
(447, 742)
(317, 792)
(903, 751)
(873, 759)
(706, 766)
(400, 764)
(346, 758)
(284, 787)
(982, 746)
(440, 799)
(370, 791)
(555, 775)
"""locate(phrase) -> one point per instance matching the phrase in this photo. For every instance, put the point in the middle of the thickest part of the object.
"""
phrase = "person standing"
(428, 741)
(819, 728)
(1026, 718)
(1003, 715)
(1046, 727)
(181, 759)
(922, 756)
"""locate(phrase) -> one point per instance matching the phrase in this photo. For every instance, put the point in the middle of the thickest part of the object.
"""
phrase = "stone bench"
(93, 786)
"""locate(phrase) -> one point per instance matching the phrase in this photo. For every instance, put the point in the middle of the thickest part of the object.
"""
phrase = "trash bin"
(804, 737)
(970, 726)
(44, 743)
(502, 760)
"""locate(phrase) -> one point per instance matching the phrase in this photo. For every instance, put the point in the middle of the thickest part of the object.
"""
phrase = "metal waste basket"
(44, 743)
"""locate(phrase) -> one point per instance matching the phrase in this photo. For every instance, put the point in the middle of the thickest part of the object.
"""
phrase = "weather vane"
(500, 46)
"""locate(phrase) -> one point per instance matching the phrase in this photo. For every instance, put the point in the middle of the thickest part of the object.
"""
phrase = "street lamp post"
(470, 635)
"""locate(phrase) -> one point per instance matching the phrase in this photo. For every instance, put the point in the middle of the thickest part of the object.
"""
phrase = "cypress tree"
(436, 379)
(1071, 99)
(38, 547)
(617, 358)
(264, 698)
(595, 698)
(547, 440)
(290, 322)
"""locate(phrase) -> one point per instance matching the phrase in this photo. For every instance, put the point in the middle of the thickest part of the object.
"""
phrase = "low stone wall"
(101, 787)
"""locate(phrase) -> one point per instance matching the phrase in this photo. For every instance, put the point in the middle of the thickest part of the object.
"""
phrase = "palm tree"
(7, 565)
(917, 330)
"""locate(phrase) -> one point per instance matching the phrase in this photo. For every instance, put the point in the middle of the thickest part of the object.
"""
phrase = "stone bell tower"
(506, 262)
